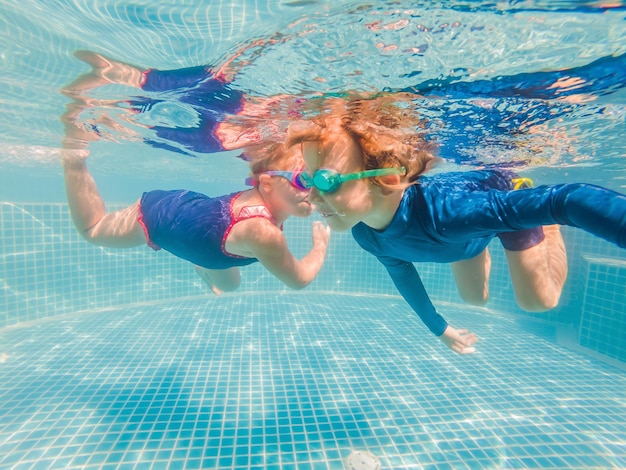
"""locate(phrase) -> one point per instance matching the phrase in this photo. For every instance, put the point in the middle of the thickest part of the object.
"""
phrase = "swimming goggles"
(294, 177)
(329, 181)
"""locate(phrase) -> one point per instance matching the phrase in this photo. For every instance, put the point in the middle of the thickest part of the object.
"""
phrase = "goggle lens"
(297, 180)
(325, 181)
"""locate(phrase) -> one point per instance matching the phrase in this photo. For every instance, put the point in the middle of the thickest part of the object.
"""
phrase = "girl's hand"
(460, 341)
(321, 234)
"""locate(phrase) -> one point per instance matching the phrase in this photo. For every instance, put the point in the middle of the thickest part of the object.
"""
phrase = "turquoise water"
(121, 359)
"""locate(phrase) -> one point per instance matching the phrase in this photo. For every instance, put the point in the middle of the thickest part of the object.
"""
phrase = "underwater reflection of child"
(222, 115)
(366, 174)
(216, 234)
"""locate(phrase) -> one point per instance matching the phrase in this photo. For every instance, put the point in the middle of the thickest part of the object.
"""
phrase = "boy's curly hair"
(383, 127)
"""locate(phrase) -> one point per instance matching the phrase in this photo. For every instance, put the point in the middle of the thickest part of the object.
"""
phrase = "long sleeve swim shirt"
(453, 216)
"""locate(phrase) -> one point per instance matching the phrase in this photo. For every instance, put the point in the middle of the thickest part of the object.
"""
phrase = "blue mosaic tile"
(300, 381)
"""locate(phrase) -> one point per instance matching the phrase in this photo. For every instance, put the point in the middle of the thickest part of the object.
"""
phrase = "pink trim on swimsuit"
(247, 212)
(218, 75)
(152, 245)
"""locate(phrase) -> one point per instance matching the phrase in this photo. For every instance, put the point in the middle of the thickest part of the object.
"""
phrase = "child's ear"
(391, 184)
(265, 182)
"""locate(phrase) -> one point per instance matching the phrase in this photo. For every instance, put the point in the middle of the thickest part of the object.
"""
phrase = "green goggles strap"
(372, 173)
(329, 181)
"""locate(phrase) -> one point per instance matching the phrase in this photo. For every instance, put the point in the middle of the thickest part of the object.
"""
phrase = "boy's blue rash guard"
(453, 216)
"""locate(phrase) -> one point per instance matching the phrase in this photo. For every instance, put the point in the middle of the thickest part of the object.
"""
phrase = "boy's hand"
(460, 341)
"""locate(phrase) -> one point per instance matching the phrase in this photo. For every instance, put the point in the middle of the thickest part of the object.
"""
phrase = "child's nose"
(314, 196)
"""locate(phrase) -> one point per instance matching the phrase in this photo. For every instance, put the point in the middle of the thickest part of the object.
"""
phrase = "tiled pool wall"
(48, 269)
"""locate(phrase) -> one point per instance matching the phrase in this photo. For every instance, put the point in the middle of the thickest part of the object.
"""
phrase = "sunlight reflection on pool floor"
(300, 381)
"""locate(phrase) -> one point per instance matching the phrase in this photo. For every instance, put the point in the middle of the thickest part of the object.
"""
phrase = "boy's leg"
(116, 230)
(220, 280)
(539, 272)
(472, 278)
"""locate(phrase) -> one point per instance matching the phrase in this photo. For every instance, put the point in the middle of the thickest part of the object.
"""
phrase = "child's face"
(290, 199)
(353, 201)
(295, 200)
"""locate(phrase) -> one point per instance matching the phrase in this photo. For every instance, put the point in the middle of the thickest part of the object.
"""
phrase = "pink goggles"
(294, 177)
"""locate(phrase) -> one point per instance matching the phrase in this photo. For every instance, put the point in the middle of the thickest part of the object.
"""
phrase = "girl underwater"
(217, 234)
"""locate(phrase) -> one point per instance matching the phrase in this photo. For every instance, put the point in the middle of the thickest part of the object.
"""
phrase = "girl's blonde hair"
(386, 132)
(273, 156)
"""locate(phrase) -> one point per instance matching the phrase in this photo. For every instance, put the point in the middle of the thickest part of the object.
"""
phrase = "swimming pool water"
(121, 359)
(300, 381)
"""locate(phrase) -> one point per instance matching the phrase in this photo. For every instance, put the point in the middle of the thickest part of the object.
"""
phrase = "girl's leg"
(105, 71)
(538, 273)
(118, 229)
(472, 278)
(220, 280)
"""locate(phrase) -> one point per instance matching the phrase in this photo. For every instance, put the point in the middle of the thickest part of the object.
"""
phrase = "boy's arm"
(267, 243)
(408, 282)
